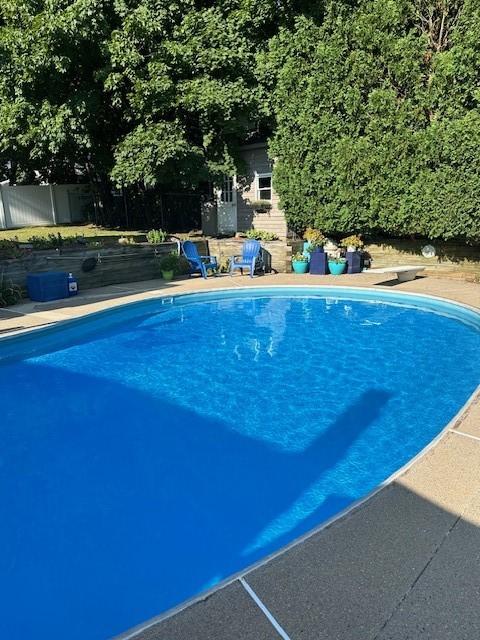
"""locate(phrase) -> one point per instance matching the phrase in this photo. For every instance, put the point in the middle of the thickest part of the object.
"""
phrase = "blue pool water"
(149, 453)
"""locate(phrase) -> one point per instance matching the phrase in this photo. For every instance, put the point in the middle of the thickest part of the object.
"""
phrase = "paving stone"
(228, 614)
(346, 581)
(443, 604)
(7, 314)
(343, 583)
(448, 475)
(471, 422)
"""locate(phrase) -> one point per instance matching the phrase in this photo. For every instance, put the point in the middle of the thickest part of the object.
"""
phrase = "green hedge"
(377, 123)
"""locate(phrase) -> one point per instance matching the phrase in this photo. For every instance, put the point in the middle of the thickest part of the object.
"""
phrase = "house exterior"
(232, 211)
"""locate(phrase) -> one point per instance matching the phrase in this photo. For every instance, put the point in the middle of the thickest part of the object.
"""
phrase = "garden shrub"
(259, 234)
(377, 118)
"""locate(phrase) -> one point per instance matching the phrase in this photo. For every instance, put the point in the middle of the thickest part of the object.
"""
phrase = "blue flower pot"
(336, 268)
(318, 263)
(306, 250)
(299, 267)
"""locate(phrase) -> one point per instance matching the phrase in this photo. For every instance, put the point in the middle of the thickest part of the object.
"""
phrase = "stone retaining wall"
(139, 262)
(129, 263)
(458, 261)
(114, 266)
(452, 260)
(277, 252)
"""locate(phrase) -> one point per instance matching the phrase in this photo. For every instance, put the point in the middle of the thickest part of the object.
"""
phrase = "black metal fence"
(170, 211)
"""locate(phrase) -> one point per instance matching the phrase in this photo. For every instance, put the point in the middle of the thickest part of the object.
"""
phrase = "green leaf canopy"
(377, 118)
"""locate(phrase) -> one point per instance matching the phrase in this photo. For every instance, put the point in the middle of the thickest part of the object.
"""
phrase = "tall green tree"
(146, 91)
(377, 117)
(374, 104)
(55, 116)
(183, 75)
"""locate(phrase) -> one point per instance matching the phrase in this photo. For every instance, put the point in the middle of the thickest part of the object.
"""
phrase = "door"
(227, 206)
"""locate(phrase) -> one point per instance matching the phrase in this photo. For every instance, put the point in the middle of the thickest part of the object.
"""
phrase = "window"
(264, 186)
(226, 194)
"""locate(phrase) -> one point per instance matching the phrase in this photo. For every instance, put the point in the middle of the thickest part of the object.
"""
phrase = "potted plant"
(157, 236)
(330, 245)
(9, 293)
(336, 266)
(258, 234)
(261, 206)
(168, 265)
(352, 243)
(314, 241)
(318, 259)
(315, 246)
(300, 263)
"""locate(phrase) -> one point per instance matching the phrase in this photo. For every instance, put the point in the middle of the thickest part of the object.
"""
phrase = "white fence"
(37, 205)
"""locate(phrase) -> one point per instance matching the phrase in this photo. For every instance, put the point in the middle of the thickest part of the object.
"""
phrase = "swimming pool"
(149, 452)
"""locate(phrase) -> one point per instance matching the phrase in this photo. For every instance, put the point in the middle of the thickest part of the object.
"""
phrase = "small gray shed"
(231, 209)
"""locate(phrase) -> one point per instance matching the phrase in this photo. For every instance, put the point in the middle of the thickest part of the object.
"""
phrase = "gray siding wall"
(257, 161)
(37, 205)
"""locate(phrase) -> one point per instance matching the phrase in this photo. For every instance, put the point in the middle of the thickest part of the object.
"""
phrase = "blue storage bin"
(50, 285)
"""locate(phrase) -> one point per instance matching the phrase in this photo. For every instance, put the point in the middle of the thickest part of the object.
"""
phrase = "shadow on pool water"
(126, 505)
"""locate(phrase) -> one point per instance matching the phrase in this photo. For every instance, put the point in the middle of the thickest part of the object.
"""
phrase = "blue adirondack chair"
(198, 264)
(250, 256)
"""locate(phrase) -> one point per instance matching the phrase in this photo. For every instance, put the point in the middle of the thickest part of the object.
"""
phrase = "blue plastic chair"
(248, 259)
(197, 263)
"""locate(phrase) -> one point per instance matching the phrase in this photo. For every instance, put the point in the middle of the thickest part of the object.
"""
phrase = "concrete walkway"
(31, 314)
(404, 564)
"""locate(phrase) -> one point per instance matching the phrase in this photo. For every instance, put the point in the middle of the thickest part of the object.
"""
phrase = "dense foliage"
(148, 91)
(378, 121)
(373, 105)
(183, 74)
(55, 116)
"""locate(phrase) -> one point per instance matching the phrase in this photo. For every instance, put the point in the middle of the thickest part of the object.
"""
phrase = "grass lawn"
(86, 230)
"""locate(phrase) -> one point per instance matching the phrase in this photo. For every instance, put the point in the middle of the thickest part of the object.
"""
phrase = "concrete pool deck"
(403, 564)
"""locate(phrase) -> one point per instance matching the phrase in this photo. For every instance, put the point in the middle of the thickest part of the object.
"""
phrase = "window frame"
(259, 189)
(227, 190)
